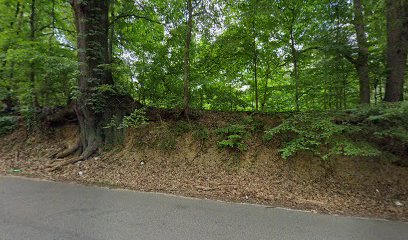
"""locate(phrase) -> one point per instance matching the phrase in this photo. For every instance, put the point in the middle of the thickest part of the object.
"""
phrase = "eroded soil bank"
(183, 158)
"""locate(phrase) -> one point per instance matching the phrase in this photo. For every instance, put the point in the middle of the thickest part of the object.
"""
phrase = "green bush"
(319, 134)
(31, 117)
(136, 119)
(386, 124)
(233, 137)
(7, 124)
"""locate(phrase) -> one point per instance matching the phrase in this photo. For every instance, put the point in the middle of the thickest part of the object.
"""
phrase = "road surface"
(42, 210)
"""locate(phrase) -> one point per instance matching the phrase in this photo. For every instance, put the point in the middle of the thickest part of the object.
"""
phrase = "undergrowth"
(7, 124)
(134, 120)
(319, 134)
(368, 131)
(235, 136)
(386, 125)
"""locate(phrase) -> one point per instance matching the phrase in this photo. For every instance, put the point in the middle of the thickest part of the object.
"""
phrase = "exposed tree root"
(57, 165)
(69, 151)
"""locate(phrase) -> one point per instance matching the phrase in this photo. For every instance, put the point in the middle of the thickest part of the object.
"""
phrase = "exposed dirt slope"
(167, 157)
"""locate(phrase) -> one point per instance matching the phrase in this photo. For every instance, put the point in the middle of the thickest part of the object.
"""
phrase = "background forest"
(106, 58)
(254, 55)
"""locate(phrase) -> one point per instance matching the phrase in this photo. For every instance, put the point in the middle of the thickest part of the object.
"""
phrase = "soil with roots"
(171, 157)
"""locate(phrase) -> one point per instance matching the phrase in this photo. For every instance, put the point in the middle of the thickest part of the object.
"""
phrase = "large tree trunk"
(397, 40)
(186, 63)
(91, 20)
(361, 63)
(93, 108)
(111, 36)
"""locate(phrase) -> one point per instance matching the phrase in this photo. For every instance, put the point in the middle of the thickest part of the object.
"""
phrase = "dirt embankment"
(184, 159)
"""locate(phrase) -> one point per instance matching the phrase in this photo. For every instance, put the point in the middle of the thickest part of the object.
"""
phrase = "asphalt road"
(42, 210)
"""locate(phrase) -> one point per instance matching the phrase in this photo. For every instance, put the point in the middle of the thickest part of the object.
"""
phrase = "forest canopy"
(270, 56)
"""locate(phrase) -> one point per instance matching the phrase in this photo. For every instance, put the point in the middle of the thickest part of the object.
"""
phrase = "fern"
(233, 137)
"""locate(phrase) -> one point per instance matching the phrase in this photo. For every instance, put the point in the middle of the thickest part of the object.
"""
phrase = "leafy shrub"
(386, 124)
(233, 137)
(31, 117)
(136, 119)
(7, 124)
(320, 135)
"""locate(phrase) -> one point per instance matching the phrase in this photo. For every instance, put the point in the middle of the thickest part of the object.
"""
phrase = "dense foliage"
(248, 55)
(375, 131)
(321, 135)
(245, 55)
(7, 124)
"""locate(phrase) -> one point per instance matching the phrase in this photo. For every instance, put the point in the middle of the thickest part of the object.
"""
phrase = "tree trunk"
(361, 63)
(344, 87)
(186, 63)
(111, 37)
(255, 58)
(95, 109)
(32, 67)
(265, 94)
(295, 67)
(255, 64)
(53, 20)
(397, 40)
(364, 81)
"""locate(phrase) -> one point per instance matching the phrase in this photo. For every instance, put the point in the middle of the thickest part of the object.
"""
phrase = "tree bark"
(111, 36)
(255, 58)
(53, 20)
(295, 67)
(265, 94)
(32, 67)
(361, 63)
(93, 110)
(397, 48)
(186, 63)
